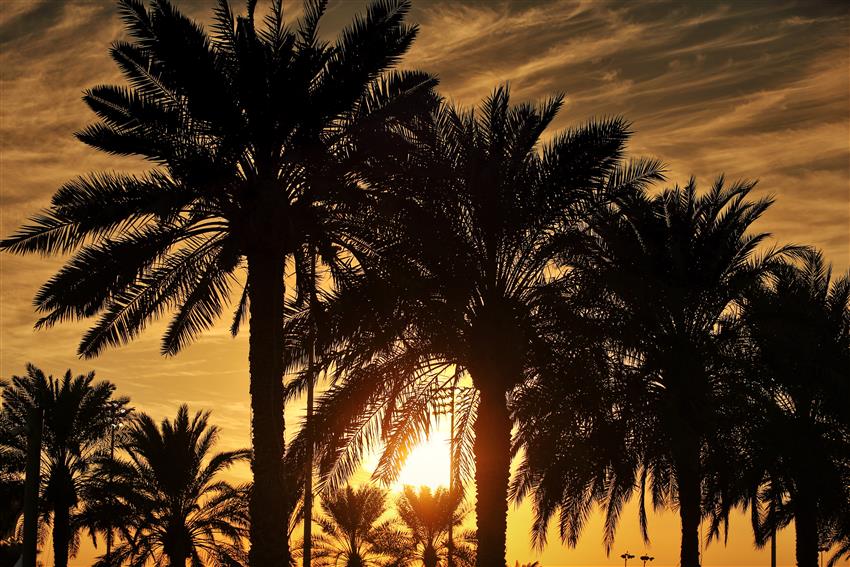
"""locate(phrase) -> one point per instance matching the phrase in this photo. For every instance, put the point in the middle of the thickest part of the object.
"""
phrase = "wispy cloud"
(756, 89)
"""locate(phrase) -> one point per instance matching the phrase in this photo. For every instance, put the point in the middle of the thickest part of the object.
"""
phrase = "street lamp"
(118, 412)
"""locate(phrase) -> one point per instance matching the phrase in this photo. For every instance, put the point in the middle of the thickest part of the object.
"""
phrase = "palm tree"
(76, 426)
(674, 264)
(428, 517)
(168, 499)
(797, 458)
(352, 533)
(258, 134)
(651, 294)
(451, 289)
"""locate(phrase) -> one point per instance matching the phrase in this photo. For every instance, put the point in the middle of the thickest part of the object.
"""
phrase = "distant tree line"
(625, 340)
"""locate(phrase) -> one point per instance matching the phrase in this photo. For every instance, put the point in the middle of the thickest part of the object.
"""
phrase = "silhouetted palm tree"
(353, 534)
(428, 516)
(674, 264)
(797, 445)
(666, 269)
(169, 503)
(257, 134)
(76, 425)
(451, 287)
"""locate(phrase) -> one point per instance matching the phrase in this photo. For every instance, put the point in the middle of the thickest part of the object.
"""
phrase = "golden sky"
(755, 89)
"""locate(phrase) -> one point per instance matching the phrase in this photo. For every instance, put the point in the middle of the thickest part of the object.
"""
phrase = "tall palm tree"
(257, 133)
(169, 503)
(673, 266)
(796, 462)
(428, 516)
(76, 426)
(451, 287)
(353, 534)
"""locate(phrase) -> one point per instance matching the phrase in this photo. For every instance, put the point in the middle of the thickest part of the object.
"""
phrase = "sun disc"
(428, 464)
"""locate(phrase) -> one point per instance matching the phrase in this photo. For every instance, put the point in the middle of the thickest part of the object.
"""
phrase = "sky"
(750, 89)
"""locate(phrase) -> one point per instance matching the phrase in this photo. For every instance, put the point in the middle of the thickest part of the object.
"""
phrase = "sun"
(428, 464)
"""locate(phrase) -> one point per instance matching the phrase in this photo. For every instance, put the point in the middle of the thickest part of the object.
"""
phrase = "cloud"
(756, 89)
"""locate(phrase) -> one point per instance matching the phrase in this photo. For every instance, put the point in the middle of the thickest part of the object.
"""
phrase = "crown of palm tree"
(256, 134)
(427, 517)
(168, 503)
(353, 534)
(401, 328)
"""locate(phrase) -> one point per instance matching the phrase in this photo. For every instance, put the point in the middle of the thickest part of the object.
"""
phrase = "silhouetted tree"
(427, 517)
(675, 264)
(257, 133)
(169, 504)
(76, 425)
(666, 270)
(353, 534)
(796, 459)
(450, 284)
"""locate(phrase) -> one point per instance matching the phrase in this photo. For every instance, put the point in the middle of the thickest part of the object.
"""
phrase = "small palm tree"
(76, 426)
(427, 517)
(260, 137)
(168, 504)
(353, 534)
(625, 557)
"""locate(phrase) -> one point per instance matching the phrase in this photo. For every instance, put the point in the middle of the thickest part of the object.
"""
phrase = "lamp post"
(118, 412)
(450, 561)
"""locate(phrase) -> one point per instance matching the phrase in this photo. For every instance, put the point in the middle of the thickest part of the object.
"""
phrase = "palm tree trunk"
(32, 482)
(806, 526)
(61, 534)
(429, 556)
(492, 471)
(267, 507)
(690, 501)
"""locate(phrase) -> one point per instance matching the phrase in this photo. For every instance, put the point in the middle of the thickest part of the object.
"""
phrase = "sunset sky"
(757, 90)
